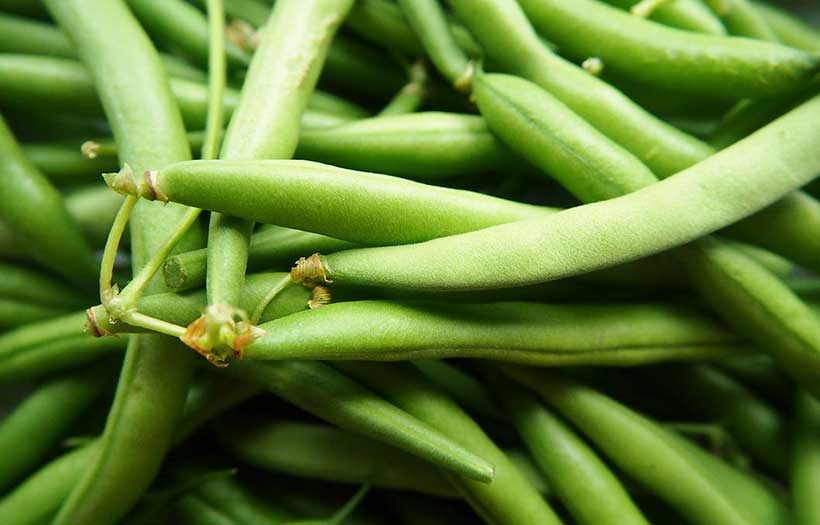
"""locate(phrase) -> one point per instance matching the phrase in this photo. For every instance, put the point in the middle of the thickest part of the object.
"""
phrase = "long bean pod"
(805, 465)
(791, 30)
(691, 15)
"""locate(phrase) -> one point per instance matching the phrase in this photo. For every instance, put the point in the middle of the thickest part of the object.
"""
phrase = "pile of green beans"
(354, 262)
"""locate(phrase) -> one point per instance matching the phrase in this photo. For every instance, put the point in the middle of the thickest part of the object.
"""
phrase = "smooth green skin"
(760, 373)
(183, 27)
(274, 247)
(37, 498)
(667, 57)
(503, 30)
(790, 29)
(199, 511)
(805, 464)
(530, 333)
(335, 105)
(251, 11)
(315, 387)
(754, 301)
(65, 163)
(742, 19)
(423, 145)
(510, 499)
(34, 210)
(29, 285)
(691, 15)
(93, 208)
(461, 386)
(354, 206)
(698, 485)
(44, 417)
(16, 312)
(323, 452)
(726, 187)
(581, 480)
(24, 35)
(707, 393)
(146, 122)
(429, 22)
(267, 119)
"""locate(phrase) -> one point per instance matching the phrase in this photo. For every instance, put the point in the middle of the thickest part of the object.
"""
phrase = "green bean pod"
(531, 333)
(382, 22)
(742, 19)
(579, 477)
(322, 452)
(146, 122)
(356, 69)
(691, 15)
(696, 484)
(805, 464)
(709, 393)
(728, 186)
(183, 26)
(93, 208)
(44, 417)
(790, 29)
(306, 196)
(417, 145)
(667, 57)
(760, 373)
(15, 312)
(510, 499)
(31, 286)
(25, 35)
(35, 212)
(461, 386)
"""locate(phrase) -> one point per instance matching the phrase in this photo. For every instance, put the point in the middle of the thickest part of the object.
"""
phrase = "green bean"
(64, 163)
(430, 25)
(36, 499)
(805, 466)
(24, 35)
(24, 7)
(322, 452)
(581, 480)
(707, 392)
(184, 27)
(356, 69)
(267, 119)
(509, 499)
(196, 510)
(532, 333)
(29, 285)
(667, 57)
(93, 209)
(147, 125)
(761, 374)
(411, 96)
(461, 386)
(790, 29)
(742, 19)
(44, 417)
(335, 105)
(383, 23)
(417, 145)
(14, 312)
(283, 190)
(691, 15)
(728, 186)
(696, 484)
(34, 211)
(251, 11)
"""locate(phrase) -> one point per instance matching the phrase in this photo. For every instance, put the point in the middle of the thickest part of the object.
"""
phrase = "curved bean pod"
(148, 127)
(790, 29)
(529, 333)
(805, 466)
(16, 312)
(25, 35)
(35, 426)
(698, 485)
(424, 145)
(25, 284)
(64, 163)
(666, 57)
(581, 480)
(33, 209)
(306, 195)
(510, 498)
(691, 15)
(728, 186)
(322, 452)
(760, 373)
(742, 19)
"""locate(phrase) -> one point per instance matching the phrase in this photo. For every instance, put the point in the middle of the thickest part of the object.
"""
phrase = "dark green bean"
(742, 19)
(579, 477)
(32, 286)
(35, 212)
(459, 385)
(358, 70)
(14, 312)
(761, 374)
(510, 498)
(383, 23)
(32, 430)
(805, 466)
(322, 452)
(695, 483)
(666, 57)
(65, 163)
(790, 29)
(24, 35)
